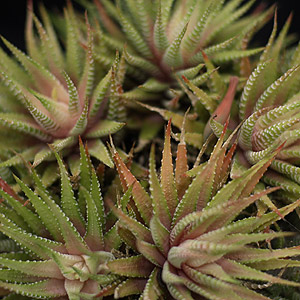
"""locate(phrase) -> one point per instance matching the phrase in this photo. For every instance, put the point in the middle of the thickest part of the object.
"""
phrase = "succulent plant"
(51, 98)
(188, 231)
(64, 242)
(270, 106)
(185, 232)
(166, 39)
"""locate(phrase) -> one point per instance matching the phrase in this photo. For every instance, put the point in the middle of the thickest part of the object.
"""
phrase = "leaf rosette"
(64, 241)
(270, 108)
(188, 241)
(48, 97)
(166, 39)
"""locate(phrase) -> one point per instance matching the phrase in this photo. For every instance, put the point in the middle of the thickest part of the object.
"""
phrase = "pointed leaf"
(172, 56)
(135, 266)
(160, 205)
(140, 196)
(42, 289)
(68, 202)
(104, 128)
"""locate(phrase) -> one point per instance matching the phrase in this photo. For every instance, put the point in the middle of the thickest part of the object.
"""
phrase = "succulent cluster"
(216, 220)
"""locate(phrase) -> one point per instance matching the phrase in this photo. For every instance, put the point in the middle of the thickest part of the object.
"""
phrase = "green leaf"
(50, 175)
(72, 45)
(225, 56)
(112, 239)
(141, 63)
(172, 56)
(277, 92)
(94, 234)
(73, 240)
(87, 78)
(31, 219)
(133, 35)
(85, 175)
(210, 287)
(68, 202)
(166, 6)
(180, 291)
(43, 210)
(135, 266)
(140, 231)
(96, 195)
(273, 264)
(27, 155)
(191, 41)
(252, 90)
(218, 84)
(167, 173)
(43, 79)
(28, 240)
(31, 41)
(238, 270)
(82, 121)
(46, 122)
(242, 186)
(160, 204)
(160, 235)
(198, 193)
(152, 289)
(74, 103)
(247, 129)
(204, 99)
(104, 128)
(47, 268)
(177, 119)
(52, 106)
(140, 196)
(132, 286)
(116, 110)
(143, 19)
(275, 179)
(8, 275)
(159, 31)
(53, 39)
(41, 289)
(46, 48)
(99, 95)
(59, 144)
(190, 73)
(151, 252)
(98, 150)
(26, 126)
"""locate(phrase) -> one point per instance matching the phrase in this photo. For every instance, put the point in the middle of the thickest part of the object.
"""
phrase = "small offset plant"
(65, 244)
(51, 98)
(270, 107)
(186, 234)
